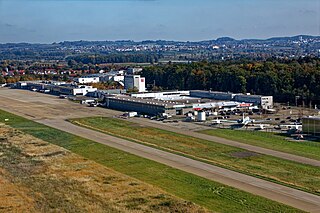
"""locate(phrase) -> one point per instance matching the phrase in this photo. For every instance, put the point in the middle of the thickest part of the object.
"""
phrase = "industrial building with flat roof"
(146, 106)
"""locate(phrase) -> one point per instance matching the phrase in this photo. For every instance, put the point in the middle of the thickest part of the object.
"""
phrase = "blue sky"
(47, 21)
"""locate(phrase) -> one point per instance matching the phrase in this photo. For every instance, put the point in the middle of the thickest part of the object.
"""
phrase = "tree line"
(115, 58)
(284, 79)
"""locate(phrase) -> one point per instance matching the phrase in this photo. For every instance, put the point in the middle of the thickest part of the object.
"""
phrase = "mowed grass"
(286, 172)
(309, 149)
(211, 195)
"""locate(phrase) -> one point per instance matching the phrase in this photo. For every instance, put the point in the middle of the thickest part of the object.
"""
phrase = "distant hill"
(215, 49)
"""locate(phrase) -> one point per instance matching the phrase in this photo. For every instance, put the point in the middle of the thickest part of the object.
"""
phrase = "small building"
(311, 125)
(133, 71)
(69, 89)
(117, 76)
(87, 79)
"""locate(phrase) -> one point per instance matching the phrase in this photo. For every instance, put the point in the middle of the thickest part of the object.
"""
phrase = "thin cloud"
(8, 25)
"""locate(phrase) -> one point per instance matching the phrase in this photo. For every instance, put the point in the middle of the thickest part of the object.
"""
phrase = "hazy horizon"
(48, 21)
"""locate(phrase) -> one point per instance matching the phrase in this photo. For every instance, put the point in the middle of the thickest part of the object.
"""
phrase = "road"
(51, 111)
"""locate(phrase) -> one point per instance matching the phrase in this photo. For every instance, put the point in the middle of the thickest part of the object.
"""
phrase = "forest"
(284, 79)
(115, 58)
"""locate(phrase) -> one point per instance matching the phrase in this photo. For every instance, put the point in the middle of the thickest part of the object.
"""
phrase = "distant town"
(161, 50)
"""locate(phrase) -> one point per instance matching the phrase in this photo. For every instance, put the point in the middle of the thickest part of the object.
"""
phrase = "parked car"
(277, 127)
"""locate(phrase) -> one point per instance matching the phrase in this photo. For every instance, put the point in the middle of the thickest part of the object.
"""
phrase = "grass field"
(290, 173)
(37, 176)
(268, 140)
(209, 194)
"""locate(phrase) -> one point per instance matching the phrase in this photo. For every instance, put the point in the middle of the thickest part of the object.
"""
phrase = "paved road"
(52, 112)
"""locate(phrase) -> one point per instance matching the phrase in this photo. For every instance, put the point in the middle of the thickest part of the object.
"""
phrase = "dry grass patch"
(14, 198)
(38, 176)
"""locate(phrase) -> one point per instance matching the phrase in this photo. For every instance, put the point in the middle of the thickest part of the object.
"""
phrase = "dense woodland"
(284, 79)
(115, 58)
